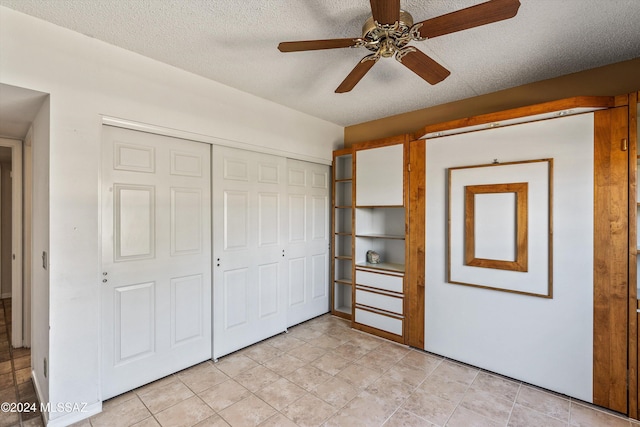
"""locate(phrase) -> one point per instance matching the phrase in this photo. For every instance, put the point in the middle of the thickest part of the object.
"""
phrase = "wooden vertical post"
(611, 259)
(633, 253)
(416, 246)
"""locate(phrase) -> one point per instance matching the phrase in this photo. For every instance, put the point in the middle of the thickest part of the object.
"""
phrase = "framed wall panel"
(500, 226)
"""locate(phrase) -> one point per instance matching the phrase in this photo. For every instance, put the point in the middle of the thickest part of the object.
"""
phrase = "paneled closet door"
(249, 242)
(308, 228)
(156, 257)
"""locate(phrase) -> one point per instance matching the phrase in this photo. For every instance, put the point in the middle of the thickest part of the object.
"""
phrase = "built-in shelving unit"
(342, 234)
(380, 227)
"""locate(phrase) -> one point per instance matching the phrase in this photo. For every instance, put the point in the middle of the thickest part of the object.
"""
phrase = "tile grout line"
(463, 396)
(414, 390)
(515, 399)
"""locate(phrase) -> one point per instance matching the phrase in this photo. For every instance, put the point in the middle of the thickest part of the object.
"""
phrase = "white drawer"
(380, 281)
(383, 302)
(379, 321)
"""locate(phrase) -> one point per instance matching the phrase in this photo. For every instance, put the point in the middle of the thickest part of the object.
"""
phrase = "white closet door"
(249, 242)
(156, 257)
(308, 229)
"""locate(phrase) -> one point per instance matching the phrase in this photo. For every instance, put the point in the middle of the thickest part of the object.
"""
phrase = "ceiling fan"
(390, 29)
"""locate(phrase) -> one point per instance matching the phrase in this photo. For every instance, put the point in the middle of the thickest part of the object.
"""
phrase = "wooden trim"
(379, 291)
(378, 332)
(393, 273)
(515, 113)
(378, 206)
(611, 258)
(342, 152)
(378, 310)
(633, 254)
(382, 142)
(414, 306)
(340, 314)
(621, 100)
(354, 184)
(522, 259)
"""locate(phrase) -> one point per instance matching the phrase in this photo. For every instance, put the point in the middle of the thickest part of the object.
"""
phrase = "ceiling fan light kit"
(389, 30)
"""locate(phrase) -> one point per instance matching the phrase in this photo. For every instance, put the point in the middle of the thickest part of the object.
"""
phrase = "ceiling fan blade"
(317, 44)
(474, 16)
(423, 66)
(357, 73)
(386, 12)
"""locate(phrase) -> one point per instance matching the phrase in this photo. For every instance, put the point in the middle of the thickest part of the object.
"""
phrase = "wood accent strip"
(340, 314)
(379, 291)
(522, 257)
(378, 332)
(342, 152)
(382, 142)
(378, 310)
(380, 269)
(611, 259)
(621, 100)
(546, 107)
(634, 354)
(377, 206)
(414, 308)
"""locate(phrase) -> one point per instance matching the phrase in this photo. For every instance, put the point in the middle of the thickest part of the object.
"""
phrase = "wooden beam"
(633, 253)
(516, 113)
(415, 280)
(611, 258)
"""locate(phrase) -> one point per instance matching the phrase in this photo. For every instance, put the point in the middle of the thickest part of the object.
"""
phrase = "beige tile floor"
(322, 373)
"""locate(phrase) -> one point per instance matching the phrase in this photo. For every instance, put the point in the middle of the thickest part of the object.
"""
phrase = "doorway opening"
(11, 239)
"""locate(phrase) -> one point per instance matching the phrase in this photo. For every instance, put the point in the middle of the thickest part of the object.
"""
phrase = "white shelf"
(343, 309)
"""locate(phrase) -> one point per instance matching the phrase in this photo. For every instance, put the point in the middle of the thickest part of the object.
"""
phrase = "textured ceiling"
(235, 43)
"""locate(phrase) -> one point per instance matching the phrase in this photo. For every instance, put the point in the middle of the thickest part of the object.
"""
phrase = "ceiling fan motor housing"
(387, 38)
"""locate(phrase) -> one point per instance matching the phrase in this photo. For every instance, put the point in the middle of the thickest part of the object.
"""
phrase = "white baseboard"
(70, 417)
(73, 417)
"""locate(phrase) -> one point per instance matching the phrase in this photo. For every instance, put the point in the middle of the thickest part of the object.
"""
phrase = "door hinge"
(409, 167)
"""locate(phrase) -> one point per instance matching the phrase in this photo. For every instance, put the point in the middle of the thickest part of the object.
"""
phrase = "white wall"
(546, 342)
(86, 79)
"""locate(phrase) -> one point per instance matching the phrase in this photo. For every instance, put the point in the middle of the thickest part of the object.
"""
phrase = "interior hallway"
(323, 373)
(15, 375)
